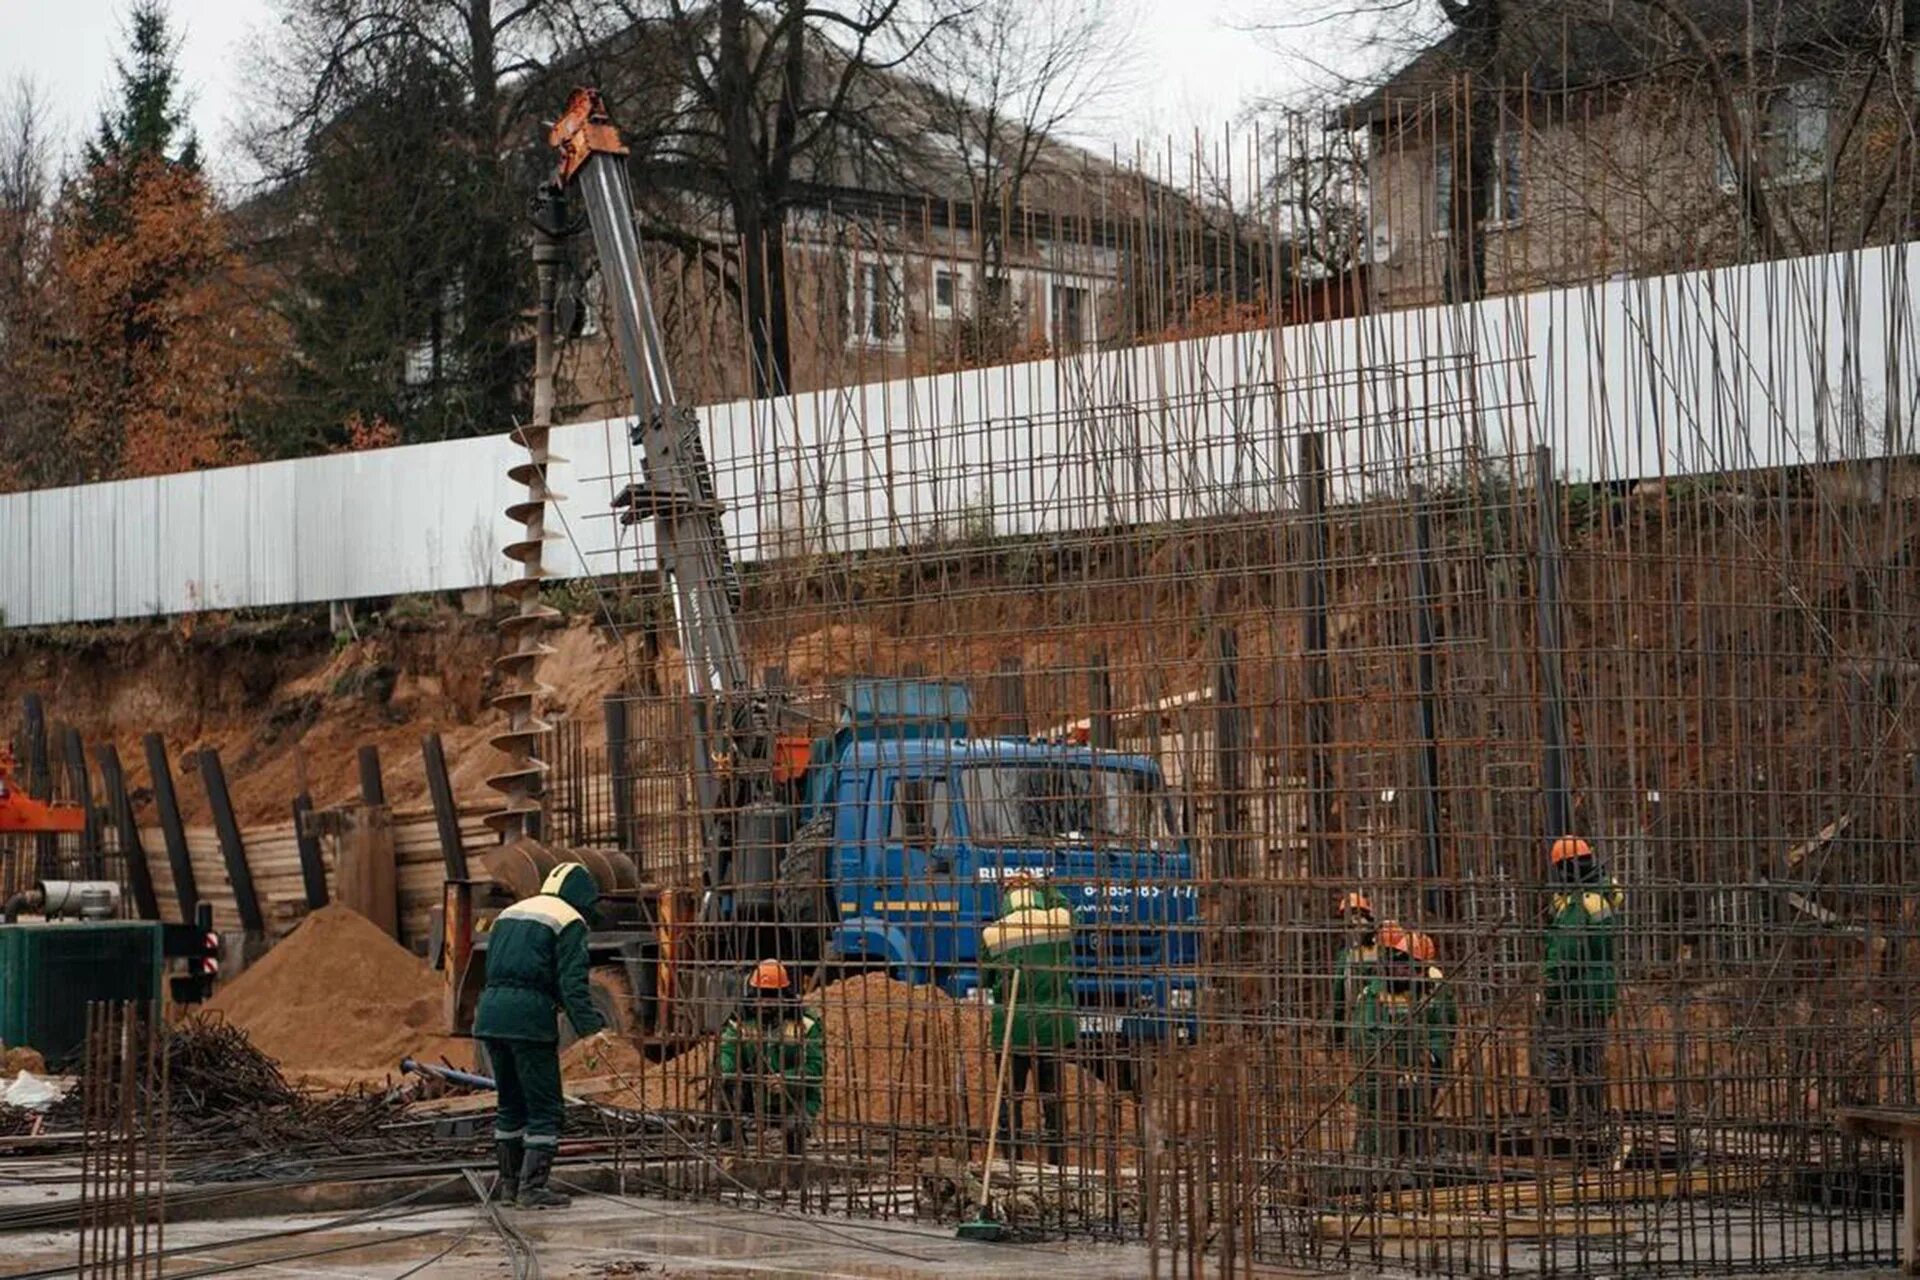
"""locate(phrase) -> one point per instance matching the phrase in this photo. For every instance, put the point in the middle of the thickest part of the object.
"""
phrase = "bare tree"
(1315, 180)
(1482, 62)
(26, 183)
(28, 287)
(778, 97)
(1010, 77)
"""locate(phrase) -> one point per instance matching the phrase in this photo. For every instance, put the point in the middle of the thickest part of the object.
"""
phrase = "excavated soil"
(904, 1063)
(339, 1003)
(288, 706)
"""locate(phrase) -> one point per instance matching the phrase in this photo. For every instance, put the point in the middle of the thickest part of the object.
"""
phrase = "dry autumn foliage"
(164, 341)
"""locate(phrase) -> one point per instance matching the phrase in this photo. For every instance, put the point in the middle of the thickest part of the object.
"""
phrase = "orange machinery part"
(20, 812)
(582, 129)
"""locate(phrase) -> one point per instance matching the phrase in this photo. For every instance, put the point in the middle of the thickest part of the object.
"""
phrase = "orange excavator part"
(582, 129)
(791, 756)
(20, 812)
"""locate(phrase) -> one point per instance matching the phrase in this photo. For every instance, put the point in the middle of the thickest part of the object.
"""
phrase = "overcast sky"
(1197, 67)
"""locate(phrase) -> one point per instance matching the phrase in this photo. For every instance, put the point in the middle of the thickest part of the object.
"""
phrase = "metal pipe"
(88, 899)
(449, 1074)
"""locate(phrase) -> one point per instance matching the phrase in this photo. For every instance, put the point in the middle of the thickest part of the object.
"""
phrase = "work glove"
(596, 1047)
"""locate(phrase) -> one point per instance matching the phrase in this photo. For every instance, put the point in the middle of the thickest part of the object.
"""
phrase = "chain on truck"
(881, 844)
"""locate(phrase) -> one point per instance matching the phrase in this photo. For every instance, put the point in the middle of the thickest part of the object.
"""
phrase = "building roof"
(896, 143)
(1560, 46)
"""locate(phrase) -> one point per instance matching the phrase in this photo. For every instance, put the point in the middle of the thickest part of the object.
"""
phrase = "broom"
(980, 1226)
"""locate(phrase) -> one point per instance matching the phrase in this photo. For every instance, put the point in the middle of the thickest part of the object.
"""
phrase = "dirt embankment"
(286, 703)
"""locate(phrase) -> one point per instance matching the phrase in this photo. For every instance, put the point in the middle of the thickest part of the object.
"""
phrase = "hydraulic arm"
(733, 723)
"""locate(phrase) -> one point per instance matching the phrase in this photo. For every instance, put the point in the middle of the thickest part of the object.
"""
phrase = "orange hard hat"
(1353, 901)
(1568, 847)
(1416, 946)
(769, 975)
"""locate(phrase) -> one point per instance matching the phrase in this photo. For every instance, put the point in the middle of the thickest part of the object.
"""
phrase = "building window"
(1794, 137)
(582, 299)
(1508, 204)
(946, 292)
(1791, 138)
(921, 812)
(1506, 201)
(1069, 316)
(873, 297)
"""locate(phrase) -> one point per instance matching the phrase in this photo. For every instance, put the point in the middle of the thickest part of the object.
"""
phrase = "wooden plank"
(1464, 1226)
(273, 855)
(1589, 1188)
(1879, 1122)
(1796, 855)
(366, 877)
(186, 890)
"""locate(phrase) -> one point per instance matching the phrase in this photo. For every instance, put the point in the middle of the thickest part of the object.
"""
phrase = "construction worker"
(773, 1059)
(1582, 985)
(1353, 967)
(1032, 940)
(1407, 1025)
(536, 968)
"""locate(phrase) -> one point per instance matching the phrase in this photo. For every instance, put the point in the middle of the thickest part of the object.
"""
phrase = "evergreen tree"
(384, 259)
(160, 349)
(147, 122)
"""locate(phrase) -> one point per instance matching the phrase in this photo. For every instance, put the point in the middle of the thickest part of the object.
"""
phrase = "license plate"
(1100, 1024)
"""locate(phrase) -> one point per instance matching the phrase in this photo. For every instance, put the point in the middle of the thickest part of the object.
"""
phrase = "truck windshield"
(1026, 803)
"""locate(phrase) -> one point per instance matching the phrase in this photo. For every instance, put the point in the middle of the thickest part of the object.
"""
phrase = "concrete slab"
(601, 1236)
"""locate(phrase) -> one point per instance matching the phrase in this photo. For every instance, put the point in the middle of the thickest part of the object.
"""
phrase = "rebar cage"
(1257, 614)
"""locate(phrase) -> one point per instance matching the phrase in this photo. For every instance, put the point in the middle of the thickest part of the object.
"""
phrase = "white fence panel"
(1775, 364)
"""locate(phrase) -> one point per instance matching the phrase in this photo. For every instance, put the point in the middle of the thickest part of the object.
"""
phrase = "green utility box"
(49, 973)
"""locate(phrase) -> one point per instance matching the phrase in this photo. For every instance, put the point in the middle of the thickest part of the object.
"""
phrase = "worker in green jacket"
(1032, 940)
(1406, 1034)
(1354, 966)
(1581, 980)
(773, 1059)
(536, 968)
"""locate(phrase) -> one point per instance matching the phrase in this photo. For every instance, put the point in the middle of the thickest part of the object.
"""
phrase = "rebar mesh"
(1275, 612)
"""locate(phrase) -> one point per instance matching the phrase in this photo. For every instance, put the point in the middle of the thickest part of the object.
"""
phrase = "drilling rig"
(879, 844)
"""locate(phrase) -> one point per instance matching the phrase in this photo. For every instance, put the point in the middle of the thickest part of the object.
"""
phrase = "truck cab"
(928, 823)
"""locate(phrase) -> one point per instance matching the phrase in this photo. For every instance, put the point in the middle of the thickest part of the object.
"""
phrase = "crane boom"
(678, 491)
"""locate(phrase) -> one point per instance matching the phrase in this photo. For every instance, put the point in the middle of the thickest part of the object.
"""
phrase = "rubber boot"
(534, 1192)
(509, 1152)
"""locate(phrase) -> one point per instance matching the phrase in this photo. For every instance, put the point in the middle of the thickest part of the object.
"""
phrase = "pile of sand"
(339, 1003)
(23, 1058)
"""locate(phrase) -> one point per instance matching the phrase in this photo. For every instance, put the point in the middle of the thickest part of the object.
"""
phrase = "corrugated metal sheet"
(1728, 369)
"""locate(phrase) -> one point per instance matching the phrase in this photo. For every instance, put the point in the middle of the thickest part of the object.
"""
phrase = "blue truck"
(905, 828)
